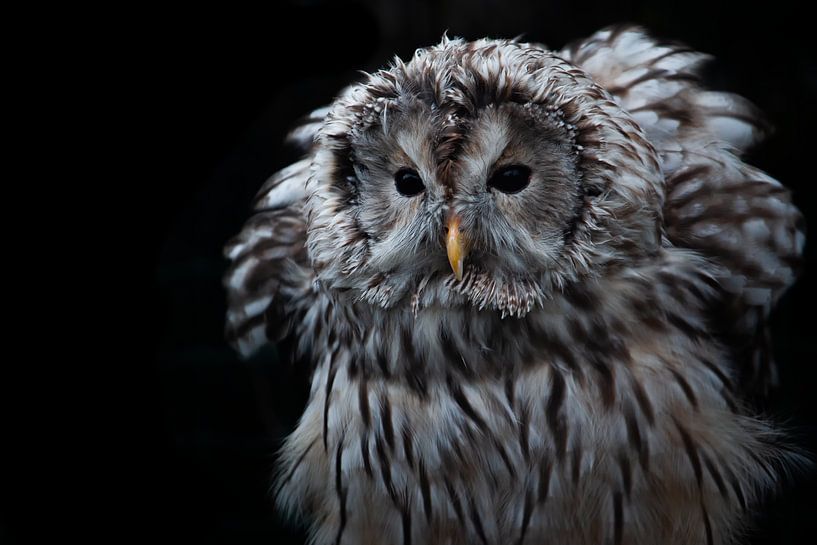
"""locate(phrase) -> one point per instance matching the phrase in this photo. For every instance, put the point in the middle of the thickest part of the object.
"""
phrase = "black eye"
(510, 179)
(408, 182)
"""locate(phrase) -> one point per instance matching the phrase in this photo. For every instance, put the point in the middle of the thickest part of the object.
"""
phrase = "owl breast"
(622, 439)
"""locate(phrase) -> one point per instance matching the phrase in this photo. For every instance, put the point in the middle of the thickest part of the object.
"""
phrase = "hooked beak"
(455, 245)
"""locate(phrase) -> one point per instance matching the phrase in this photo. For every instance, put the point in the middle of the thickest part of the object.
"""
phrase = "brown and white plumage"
(577, 385)
(716, 204)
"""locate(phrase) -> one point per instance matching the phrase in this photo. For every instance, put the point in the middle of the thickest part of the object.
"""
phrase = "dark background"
(209, 95)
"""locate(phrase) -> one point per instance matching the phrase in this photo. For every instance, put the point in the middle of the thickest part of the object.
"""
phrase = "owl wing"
(735, 214)
(270, 281)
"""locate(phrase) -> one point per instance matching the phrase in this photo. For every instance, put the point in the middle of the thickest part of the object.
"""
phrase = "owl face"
(503, 206)
(464, 178)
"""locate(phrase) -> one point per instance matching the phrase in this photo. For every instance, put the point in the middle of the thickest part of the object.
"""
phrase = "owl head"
(489, 174)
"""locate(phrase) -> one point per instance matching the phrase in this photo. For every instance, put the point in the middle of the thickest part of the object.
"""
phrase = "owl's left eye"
(510, 179)
(408, 182)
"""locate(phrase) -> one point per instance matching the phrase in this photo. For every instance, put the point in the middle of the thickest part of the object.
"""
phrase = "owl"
(533, 288)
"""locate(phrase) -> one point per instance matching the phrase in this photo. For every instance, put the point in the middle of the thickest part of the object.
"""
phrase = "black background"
(189, 432)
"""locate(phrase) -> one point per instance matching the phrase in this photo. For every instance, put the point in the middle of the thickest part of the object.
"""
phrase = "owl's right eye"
(408, 182)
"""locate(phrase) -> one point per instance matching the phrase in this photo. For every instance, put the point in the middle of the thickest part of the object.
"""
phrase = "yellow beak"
(455, 245)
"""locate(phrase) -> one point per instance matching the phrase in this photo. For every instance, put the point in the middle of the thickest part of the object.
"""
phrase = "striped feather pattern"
(735, 214)
(591, 402)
